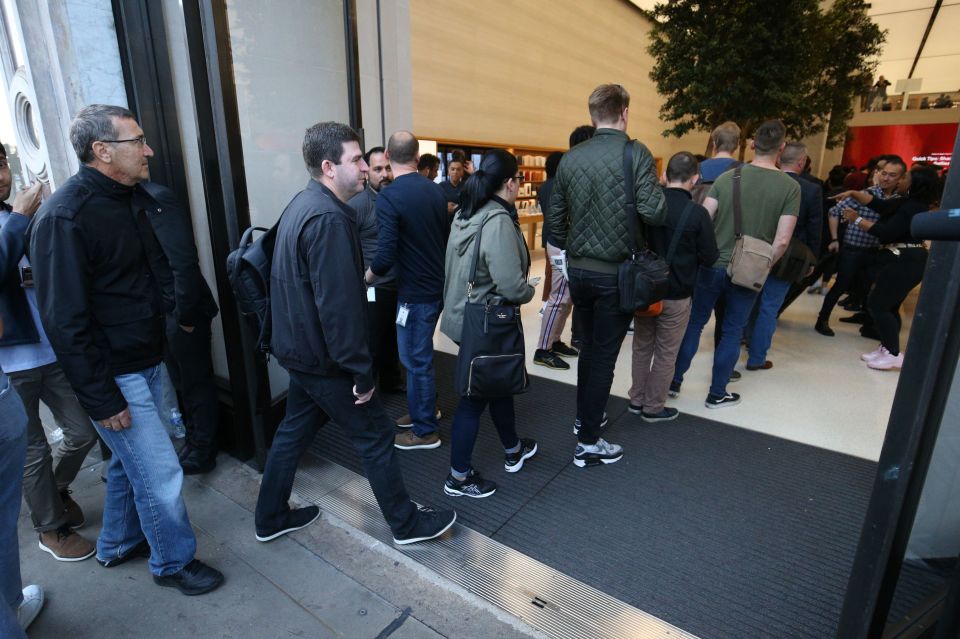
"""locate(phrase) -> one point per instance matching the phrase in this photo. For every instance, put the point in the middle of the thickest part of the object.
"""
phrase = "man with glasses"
(858, 247)
(103, 285)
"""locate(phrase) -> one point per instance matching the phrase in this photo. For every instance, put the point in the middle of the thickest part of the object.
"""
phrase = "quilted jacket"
(586, 210)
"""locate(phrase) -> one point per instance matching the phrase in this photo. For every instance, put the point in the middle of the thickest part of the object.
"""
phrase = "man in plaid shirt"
(858, 246)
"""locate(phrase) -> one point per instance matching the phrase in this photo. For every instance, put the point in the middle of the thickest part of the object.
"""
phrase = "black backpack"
(248, 269)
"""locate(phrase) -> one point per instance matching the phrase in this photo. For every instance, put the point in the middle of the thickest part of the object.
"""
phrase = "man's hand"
(451, 207)
(27, 201)
(833, 246)
(369, 276)
(118, 422)
(810, 270)
(850, 215)
(186, 329)
(362, 399)
(469, 168)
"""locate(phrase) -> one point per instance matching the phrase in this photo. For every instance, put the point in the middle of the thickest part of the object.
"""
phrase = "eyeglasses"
(518, 178)
(140, 140)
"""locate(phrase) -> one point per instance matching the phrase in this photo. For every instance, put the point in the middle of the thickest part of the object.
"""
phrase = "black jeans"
(604, 327)
(312, 401)
(381, 323)
(896, 278)
(190, 365)
(466, 423)
(852, 263)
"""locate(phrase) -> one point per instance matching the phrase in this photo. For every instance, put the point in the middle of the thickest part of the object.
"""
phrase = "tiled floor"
(818, 392)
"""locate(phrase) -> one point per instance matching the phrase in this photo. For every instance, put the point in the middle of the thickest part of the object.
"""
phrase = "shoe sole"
(404, 542)
(634, 411)
(888, 368)
(565, 355)
(673, 394)
(583, 463)
(519, 464)
(190, 592)
(456, 493)
(723, 405)
(59, 558)
(556, 368)
(653, 420)
(734, 380)
(435, 444)
(287, 530)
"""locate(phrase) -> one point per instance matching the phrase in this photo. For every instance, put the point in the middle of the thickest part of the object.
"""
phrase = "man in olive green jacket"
(587, 219)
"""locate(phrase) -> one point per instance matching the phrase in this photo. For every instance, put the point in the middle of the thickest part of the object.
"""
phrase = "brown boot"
(409, 440)
(66, 545)
(72, 510)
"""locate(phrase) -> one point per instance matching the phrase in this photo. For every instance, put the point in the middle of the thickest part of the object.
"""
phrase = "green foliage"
(754, 60)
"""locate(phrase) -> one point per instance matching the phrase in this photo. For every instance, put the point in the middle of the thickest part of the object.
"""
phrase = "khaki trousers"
(656, 341)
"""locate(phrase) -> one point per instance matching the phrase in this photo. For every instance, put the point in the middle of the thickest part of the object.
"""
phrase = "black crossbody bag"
(643, 278)
(492, 361)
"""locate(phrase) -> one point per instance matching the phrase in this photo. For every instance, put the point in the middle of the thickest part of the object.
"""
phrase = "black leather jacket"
(103, 285)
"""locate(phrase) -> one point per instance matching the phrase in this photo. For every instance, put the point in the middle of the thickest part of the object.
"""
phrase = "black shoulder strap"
(675, 240)
(476, 252)
(630, 207)
(737, 213)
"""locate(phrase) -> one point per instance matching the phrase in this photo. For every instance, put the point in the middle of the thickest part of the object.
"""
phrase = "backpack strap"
(630, 206)
(476, 252)
(675, 240)
(737, 212)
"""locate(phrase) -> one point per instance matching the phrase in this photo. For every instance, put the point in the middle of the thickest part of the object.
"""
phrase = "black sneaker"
(602, 452)
(576, 423)
(823, 328)
(722, 401)
(196, 578)
(735, 376)
(474, 485)
(296, 519)
(635, 409)
(140, 551)
(674, 389)
(513, 462)
(563, 350)
(430, 525)
(550, 360)
(664, 415)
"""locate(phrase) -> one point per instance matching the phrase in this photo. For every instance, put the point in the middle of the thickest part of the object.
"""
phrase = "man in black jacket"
(318, 304)
(189, 360)
(103, 285)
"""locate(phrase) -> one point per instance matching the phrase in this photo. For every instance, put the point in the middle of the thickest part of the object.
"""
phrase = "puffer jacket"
(501, 268)
(586, 210)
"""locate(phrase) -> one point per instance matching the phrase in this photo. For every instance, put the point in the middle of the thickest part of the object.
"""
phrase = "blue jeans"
(144, 479)
(466, 424)
(415, 346)
(768, 305)
(711, 283)
(604, 327)
(312, 401)
(13, 451)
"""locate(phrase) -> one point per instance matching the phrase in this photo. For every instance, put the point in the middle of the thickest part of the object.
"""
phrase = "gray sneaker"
(602, 452)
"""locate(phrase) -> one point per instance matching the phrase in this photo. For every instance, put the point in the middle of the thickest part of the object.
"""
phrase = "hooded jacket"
(501, 268)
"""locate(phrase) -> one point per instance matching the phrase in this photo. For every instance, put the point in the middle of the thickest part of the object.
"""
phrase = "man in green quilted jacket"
(587, 218)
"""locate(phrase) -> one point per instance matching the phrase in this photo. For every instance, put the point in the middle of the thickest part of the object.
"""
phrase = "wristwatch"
(857, 221)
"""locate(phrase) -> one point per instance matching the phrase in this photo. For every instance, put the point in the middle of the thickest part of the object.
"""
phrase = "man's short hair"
(369, 154)
(456, 161)
(726, 137)
(607, 102)
(428, 161)
(403, 147)
(92, 123)
(792, 152)
(3, 150)
(581, 134)
(552, 163)
(324, 141)
(768, 137)
(895, 159)
(682, 167)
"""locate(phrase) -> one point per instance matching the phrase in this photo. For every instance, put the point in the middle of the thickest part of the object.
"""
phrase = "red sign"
(912, 142)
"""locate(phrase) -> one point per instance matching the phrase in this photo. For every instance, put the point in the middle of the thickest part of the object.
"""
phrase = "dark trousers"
(466, 424)
(852, 263)
(895, 279)
(825, 268)
(604, 327)
(190, 365)
(381, 322)
(312, 401)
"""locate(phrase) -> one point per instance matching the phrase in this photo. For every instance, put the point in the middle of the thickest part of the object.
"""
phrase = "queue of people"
(101, 288)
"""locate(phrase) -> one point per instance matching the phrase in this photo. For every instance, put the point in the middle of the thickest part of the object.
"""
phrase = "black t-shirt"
(697, 245)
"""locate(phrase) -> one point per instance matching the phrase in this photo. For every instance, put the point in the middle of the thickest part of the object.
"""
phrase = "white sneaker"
(872, 355)
(886, 362)
(30, 606)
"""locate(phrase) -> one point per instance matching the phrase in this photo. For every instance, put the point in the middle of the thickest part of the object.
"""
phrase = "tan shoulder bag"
(752, 257)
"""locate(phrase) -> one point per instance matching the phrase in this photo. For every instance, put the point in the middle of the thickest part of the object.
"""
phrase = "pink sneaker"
(872, 355)
(886, 362)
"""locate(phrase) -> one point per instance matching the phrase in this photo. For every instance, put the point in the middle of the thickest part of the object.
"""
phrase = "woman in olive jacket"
(487, 199)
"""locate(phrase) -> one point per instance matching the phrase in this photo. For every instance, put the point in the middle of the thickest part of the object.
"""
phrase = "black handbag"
(491, 362)
(643, 278)
(795, 263)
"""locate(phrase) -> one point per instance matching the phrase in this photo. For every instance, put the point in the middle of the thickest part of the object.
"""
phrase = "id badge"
(371, 294)
(402, 316)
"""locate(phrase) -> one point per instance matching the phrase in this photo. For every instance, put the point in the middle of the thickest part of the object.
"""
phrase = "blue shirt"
(22, 357)
(713, 168)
